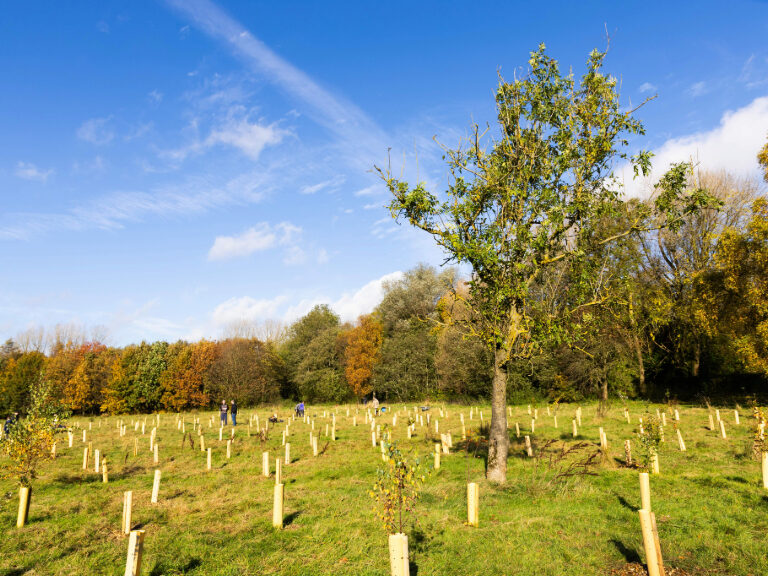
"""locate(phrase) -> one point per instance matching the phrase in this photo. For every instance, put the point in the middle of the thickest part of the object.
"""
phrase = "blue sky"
(168, 168)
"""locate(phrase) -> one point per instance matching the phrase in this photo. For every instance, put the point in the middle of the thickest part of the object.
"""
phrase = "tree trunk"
(696, 360)
(640, 367)
(498, 439)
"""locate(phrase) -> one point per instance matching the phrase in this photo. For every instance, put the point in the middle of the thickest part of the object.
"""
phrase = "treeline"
(686, 316)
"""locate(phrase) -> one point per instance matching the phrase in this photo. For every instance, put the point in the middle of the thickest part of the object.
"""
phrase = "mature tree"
(463, 363)
(19, 374)
(244, 370)
(134, 385)
(295, 348)
(677, 260)
(409, 321)
(531, 201)
(83, 390)
(183, 382)
(319, 375)
(762, 158)
(740, 306)
(362, 352)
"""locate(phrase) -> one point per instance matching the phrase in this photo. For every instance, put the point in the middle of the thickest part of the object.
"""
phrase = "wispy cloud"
(698, 89)
(754, 72)
(256, 239)
(113, 211)
(646, 87)
(332, 183)
(333, 112)
(96, 131)
(155, 97)
(28, 171)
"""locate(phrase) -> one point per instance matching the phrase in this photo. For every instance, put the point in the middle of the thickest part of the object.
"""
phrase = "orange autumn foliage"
(362, 353)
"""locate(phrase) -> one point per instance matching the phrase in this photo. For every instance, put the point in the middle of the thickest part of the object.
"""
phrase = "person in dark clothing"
(223, 411)
(233, 413)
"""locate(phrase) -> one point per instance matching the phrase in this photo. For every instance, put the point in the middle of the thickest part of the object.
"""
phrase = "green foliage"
(396, 490)
(649, 439)
(20, 372)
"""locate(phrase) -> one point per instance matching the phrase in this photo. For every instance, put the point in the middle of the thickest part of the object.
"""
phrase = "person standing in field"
(375, 403)
(233, 413)
(223, 411)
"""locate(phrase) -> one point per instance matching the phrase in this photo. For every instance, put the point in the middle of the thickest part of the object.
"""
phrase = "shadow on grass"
(627, 505)
(16, 571)
(77, 478)
(288, 520)
(738, 479)
(162, 568)
(630, 555)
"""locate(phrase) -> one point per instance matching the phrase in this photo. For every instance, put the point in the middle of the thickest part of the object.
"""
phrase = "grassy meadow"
(711, 508)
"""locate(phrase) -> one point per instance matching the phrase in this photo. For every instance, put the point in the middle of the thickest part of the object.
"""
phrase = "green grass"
(711, 508)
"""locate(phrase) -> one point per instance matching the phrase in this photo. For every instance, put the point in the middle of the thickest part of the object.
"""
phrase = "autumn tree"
(762, 159)
(84, 388)
(677, 261)
(740, 305)
(243, 370)
(530, 199)
(363, 349)
(183, 381)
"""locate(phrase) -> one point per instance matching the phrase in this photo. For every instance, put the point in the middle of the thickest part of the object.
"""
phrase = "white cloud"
(249, 138)
(322, 256)
(373, 206)
(261, 237)
(731, 146)
(246, 309)
(96, 131)
(237, 131)
(697, 89)
(646, 87)
(350, 306)
(102, 27)
(252, 240)
(334, 182)
(28, 171)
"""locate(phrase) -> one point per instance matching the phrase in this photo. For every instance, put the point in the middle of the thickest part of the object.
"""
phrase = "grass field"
(711, 509)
